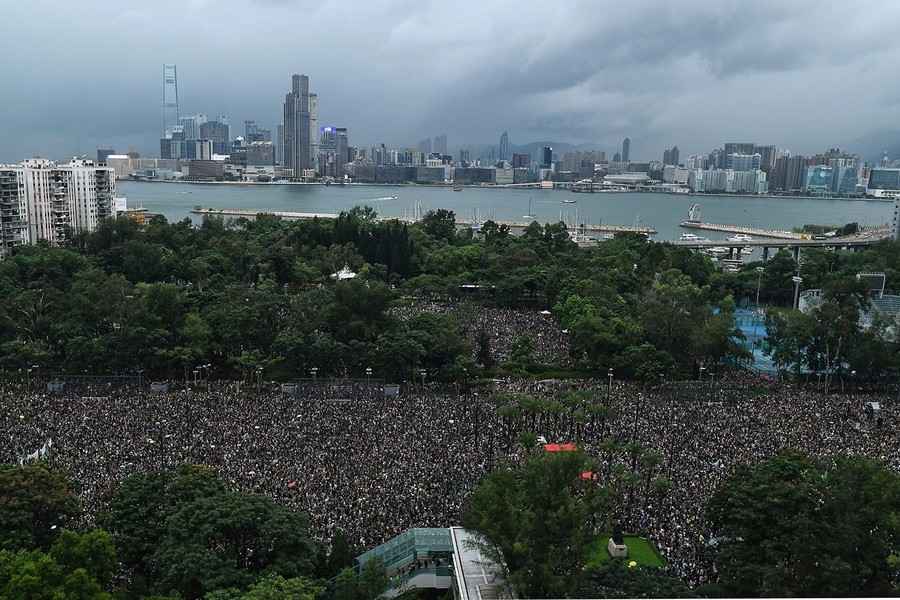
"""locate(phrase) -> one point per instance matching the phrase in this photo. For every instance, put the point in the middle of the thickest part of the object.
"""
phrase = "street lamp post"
(259, 372)
(422, 373)
(797, 281)
(314, 371)
(368, 374)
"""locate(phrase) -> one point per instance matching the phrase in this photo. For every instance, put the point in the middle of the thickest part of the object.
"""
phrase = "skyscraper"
(314, 130)
(219, 133)
(279, 144)
(546, 157)
(298, 145)
(504, 146)
(671, 156)
(626, 150)
(191, 126)
(340, 152)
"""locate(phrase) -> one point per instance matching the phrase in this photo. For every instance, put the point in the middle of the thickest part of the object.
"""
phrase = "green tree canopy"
(795, 526)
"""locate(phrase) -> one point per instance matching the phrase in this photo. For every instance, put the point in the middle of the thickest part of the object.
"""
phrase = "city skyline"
(701, 74)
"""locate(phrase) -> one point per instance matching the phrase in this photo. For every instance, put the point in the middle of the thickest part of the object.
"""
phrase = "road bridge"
(853, 242)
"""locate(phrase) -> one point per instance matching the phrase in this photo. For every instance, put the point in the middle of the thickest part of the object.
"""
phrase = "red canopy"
(570, 447)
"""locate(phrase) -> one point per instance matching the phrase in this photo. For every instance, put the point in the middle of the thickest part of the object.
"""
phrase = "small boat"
(740, 237)
(457, 188)
(569, 201)
(690, 237)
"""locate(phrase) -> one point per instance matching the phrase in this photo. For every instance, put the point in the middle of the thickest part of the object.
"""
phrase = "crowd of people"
(373, 465)
(503, 327)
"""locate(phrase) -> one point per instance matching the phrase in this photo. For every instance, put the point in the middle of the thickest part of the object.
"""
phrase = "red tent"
(560, 447)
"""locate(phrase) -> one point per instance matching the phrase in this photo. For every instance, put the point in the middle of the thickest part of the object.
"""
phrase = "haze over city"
(803, 75)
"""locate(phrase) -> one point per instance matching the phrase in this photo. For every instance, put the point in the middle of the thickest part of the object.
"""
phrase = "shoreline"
(503, 187)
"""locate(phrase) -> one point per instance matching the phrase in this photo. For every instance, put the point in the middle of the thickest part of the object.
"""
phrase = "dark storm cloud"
(800, 74)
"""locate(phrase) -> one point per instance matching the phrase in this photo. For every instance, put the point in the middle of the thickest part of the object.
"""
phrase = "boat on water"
(718, 251)
(691, 237)
(569, 201)
(457, 188)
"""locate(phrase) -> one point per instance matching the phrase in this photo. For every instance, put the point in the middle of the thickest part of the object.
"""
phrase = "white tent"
(343, 274)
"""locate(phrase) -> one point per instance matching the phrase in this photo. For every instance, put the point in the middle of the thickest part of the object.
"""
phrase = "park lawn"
(639, 550)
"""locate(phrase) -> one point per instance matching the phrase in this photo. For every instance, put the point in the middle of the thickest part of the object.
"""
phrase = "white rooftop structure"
(343, 274)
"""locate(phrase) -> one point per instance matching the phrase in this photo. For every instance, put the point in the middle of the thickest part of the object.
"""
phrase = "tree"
(537, 521)
(36, 503)
(271, 587)
(795, 526)
(37, 576)
(92, 551)
(229, 540)
(371, 582)
(340, 556)
(440, 224)
(616, 580)
(141, 505)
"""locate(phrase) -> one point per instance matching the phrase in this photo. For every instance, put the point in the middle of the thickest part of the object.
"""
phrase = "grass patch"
(639, 549)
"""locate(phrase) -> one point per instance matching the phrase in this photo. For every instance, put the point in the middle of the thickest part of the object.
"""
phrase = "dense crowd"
(374, 466)
(503, 326)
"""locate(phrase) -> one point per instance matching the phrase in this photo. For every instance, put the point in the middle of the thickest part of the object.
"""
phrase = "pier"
(299, 216)
(778, 234)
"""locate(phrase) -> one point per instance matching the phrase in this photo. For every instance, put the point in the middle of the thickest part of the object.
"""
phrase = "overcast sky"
(800, 74)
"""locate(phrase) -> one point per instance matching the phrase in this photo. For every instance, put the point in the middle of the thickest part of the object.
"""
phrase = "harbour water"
(660, 211)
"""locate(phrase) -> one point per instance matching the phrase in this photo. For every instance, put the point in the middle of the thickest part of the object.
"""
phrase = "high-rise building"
(191, 126)
(739, 148)
(617, 157)
(279, 144)
(170, 110)
(464, 156)
(440, 144)
(504, 146)
(743, 162)
(844, 180)
(818, 179)
(767, 155)
(425, 146)
(546, 157)
(314, 130)
(626, 150)
(789, 173)
(340, 154)
(218, 132)
(41, 200)
(298, 146)
(255, 133)
(671, 156)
